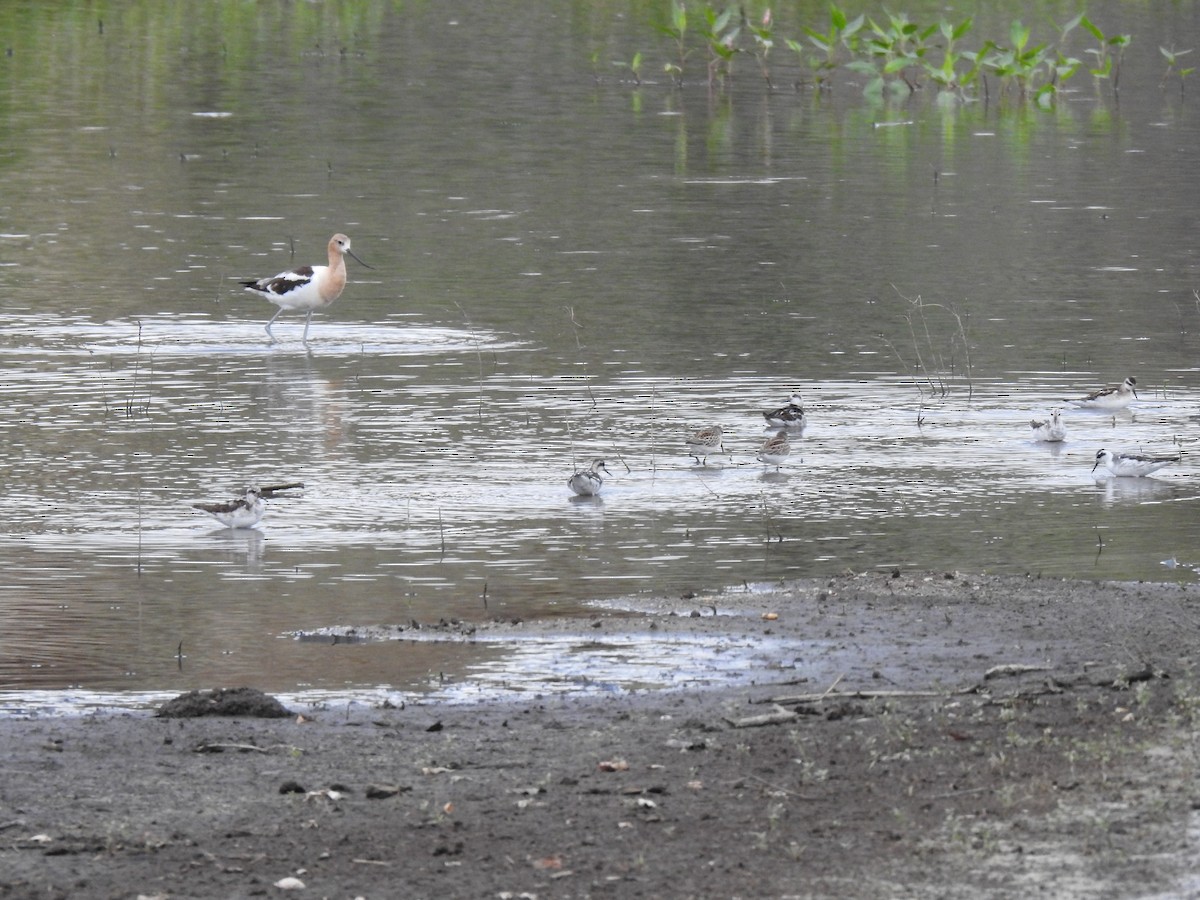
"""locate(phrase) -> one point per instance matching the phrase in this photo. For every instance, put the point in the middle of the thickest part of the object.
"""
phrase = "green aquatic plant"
(720, 31)
(899, 45)
(1173, 67)
(1019, 64)
(895, 53)
(842, 34)
(676, 30)
(634, 66)
(763, 42)
(1108, 52)
(946, 75)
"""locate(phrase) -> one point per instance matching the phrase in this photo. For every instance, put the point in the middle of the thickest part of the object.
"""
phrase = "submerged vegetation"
(894, 54)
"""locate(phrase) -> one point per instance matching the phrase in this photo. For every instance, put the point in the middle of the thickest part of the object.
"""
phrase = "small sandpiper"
(703, 442)
(775, 449)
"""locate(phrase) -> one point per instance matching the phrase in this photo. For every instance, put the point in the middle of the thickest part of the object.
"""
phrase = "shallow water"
(563, 269)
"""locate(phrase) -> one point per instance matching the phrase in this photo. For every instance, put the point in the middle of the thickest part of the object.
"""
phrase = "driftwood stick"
(950, 795)
(1003, 671)
(1111, 677)
(241, 748)
(776, 716)
(836, 682)
(861, 695)
(270, 490)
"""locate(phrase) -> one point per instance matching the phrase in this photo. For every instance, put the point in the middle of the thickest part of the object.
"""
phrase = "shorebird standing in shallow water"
(1117, 397)
(588, 482)
(1132, 464)
(244, 512)
(703, 442)
(790, 416)
(309, 287)
(775, 449)
(1052, 431)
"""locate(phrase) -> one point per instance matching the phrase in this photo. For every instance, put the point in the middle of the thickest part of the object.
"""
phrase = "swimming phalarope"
(309, 287)
(1052, 430)
(244, 512)
(588, 482)
(703, 442)
(775, 449)
(1117, 397)
(790, 416)
(1132, 464)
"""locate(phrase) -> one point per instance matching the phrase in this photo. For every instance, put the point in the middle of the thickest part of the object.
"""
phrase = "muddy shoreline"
(924, 735)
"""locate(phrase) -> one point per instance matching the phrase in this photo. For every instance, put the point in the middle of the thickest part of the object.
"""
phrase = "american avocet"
(1052, 430)
(1117, 397)
(309, 287)
(588, 482)
(1132, 464)
(775, 449)
(790, 416)
(704, 442)
(244, 512)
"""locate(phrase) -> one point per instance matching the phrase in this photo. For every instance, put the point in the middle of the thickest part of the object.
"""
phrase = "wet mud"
(924, 735)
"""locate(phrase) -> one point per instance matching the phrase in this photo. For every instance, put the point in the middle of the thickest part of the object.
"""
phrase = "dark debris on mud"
(240, 701)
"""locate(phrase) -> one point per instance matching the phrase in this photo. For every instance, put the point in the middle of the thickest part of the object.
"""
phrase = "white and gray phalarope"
(1132, 464)
(790, 416)
(309, 287)
(1052, 430)
(1117, 397)
(244, 512)
(587, 483)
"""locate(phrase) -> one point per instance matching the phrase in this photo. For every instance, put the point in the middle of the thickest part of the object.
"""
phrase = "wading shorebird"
(308, 287)
(1052, 431)
(1117, 397)
(588, 482)
(244, 512)
(790, 416)
(775, 450)
(703, 442)
(1132, 464)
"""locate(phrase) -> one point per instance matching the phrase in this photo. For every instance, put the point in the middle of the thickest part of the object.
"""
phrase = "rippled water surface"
(563, 269)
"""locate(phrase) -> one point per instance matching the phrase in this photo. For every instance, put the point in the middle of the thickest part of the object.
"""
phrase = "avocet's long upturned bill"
(704, 442)
(309, 287)
(588, 482)
(1117, 397)
(775, 450)
(1051, 430)
(790, 416)
(1132, 464)
(244, 512)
